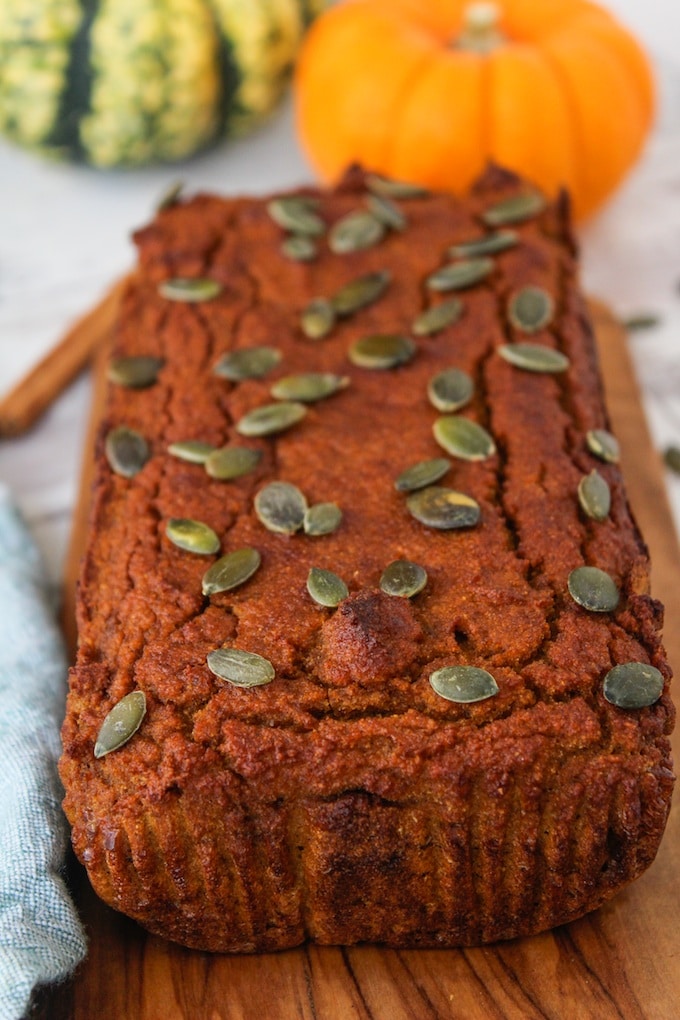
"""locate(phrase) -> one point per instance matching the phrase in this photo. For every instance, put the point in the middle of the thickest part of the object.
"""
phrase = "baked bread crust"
(346, 800)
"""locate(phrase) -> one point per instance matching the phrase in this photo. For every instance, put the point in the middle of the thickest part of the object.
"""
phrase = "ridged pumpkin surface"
(431, 91)
(126, 82)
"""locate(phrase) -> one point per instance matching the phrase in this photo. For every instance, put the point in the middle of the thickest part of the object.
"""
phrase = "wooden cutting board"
(619, 962)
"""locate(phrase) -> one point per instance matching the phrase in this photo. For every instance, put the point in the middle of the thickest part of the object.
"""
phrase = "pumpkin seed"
(671, 458)
(317, 319)
(442, 508)
(450, 390)
(135, 372)
(242, 669)
(170, 196)
(593, 589)
(531, 309)
(308, 386)
(403, 579)
(643, 320)
(121, 723)
(126, 451)
(272, 418)
(296, 213)
(460, 275)
(281, 507)
(603, 445)
(231, 462)
(594, 496)
(355, 232)
(463, 684)
(534, 357)
(437, 317)
(249, 363)
(180, 288)
(192, 536)
(326, 588)
(463, 438)
(299, 248)
(195, 451)
(489, 244)
(360, 293)
(633, 685)
(424, 473)
(515, 209)
(231, 570)
(322, 519)
(388, 188)
(385, 210)
(382, 351)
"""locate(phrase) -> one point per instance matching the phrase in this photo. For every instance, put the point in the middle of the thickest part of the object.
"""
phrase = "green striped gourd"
(129, 82)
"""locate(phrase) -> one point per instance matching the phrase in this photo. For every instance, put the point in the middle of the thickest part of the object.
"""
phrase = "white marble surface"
(64, 237)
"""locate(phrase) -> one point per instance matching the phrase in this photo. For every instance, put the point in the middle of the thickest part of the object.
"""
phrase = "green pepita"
(309, 386)
(297, 214)
(248, 363)
(121, 723)
(594, 496)
(170, 196)
(531, 309)
(534, 357)
(382, 351)
(270, 419)
(322, 519)
(126, 451)
(360, 293)
(192, 536)
(422, 474)
(489, 244)
(516, 209)
(231, 570)
(281, 507)
(394, 189)
(437, 317)
(299, 248)
(603, 445)
(191, 290)
(195, 451)
(136, 372)
(387, 211)
(671, 458)
(463, 438)
(450, 390)
(633, 685)
(593, 589)
(317, 319)
(403, 579)
(230, 462)
(460, 275)
(463, 684)
(242, 669)
(358, 230)
(442, 508)
(326, 588)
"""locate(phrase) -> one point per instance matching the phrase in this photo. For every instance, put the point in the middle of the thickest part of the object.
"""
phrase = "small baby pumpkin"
(429, 91)
(128, 82)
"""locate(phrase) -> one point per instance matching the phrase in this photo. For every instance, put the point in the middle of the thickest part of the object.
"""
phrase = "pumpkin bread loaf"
(387, 668)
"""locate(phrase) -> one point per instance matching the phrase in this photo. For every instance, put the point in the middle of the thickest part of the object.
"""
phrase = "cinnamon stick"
(24, 404)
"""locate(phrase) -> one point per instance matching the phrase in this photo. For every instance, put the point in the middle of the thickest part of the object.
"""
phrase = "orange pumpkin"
(430, 90)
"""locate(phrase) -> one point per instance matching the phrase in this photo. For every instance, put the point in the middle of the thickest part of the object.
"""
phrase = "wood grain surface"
(623, 961)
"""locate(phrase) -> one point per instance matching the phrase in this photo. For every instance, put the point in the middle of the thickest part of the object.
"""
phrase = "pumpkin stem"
(480, 28)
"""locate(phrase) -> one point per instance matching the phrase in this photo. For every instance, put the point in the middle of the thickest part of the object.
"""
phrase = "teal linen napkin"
(41, 938)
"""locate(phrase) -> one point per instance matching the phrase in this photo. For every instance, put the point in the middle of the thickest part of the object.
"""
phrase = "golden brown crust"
(346, 800)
